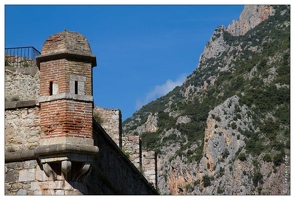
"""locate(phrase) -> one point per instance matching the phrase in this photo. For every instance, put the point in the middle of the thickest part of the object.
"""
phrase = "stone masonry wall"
(145, 161)
(22, 83)
(110, 120)
(22, 130)
(27, 178)
(112, 172)
(115, 172)
(131, 146)
(23, 133)
(149, 167)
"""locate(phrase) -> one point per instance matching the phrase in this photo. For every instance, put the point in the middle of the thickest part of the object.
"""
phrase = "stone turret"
(66, 105)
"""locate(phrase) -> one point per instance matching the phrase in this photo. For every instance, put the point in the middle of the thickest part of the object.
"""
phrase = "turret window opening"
(76, 87)
(77, 84)
(50, 88)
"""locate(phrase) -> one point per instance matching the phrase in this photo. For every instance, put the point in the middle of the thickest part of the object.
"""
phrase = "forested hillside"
(226, 130)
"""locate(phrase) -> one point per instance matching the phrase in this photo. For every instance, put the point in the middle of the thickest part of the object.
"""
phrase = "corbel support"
(72, 161)
(84, 171)
(66, 167)
(48, 171)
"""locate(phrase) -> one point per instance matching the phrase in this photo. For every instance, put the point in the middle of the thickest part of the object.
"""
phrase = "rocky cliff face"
(225, 160)
(251, 16)
(215, 46)
(148, 125)
(226, 130)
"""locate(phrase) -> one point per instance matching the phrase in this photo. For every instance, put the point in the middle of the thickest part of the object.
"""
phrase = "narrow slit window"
(50, 88)
(76, 87)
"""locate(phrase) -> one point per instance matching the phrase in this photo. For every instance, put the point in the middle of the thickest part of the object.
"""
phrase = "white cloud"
(160, 90)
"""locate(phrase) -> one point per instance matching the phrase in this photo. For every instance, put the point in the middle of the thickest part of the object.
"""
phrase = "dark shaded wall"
(113, 172)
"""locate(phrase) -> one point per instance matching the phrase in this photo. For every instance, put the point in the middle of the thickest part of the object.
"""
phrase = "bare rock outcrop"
(183, 119)
(222, 142)
(150, 125)
(225, 162)
(215, 47)
(250, 17)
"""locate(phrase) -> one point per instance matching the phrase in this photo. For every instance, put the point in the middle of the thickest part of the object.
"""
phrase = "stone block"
(40, 175)
(22, 192)
(35, 186)
(11, 176)
(67, 186)
(30, 164)
(28, 122)
(22, 104)
(68, 192)
(115, 117)
(44, 185)
(16, 186)
(43, 99)
(72, 192)
(10, 105)
(59, 184)
(27, 175)
(34, 132)
(67, 140)
(14, 165)
(150, 172)
(30, 193)
(37, 192)
(49, 192)
(33, 139)
(27, 70)
(59, 192)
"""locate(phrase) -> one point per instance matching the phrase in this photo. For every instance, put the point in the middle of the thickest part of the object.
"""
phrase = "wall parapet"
(111, 121)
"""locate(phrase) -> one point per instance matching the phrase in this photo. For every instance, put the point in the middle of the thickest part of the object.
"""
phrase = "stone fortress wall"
(112, 172)
(22, 83)
(23, 116)
(145, 161)
(68, 164)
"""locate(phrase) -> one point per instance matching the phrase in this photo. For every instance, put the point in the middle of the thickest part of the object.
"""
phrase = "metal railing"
(21, 56)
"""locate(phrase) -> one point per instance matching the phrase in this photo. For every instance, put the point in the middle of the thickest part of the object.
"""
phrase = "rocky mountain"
(226, 130)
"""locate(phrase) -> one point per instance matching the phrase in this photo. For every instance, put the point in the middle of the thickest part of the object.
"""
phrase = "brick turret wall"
(66, 118)
(66, 86)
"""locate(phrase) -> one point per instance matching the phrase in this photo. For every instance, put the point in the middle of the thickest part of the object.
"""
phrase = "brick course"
(66, 118)
(54, 71)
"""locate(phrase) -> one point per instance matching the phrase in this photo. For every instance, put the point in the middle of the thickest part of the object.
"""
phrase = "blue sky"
(142, 51)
